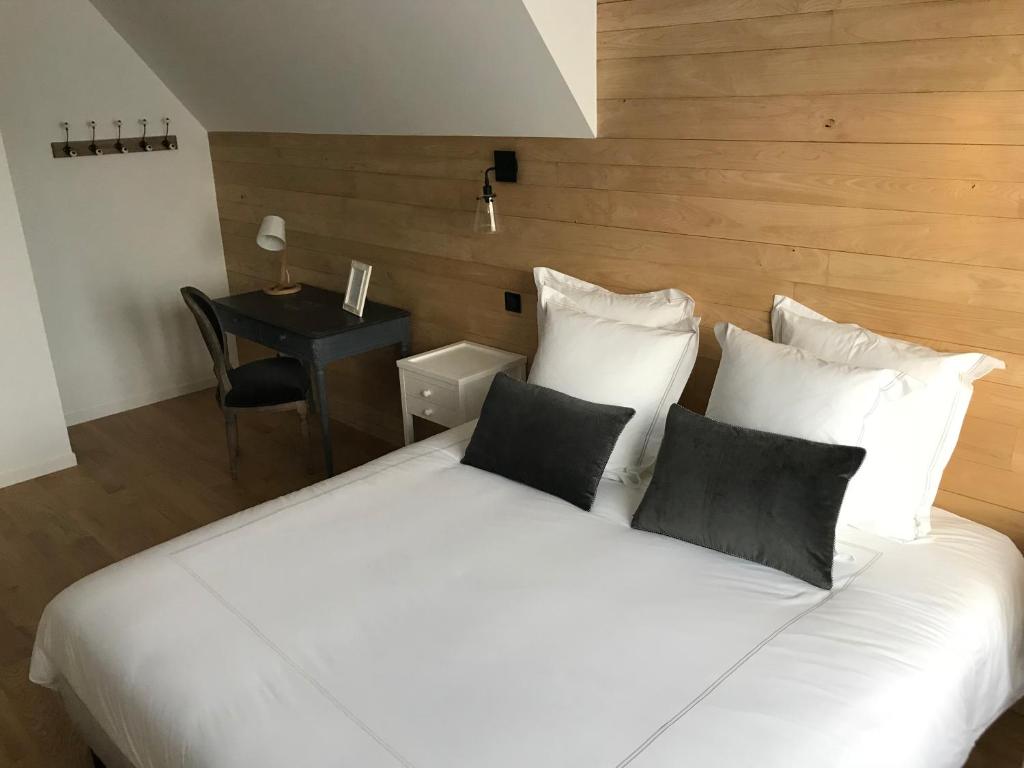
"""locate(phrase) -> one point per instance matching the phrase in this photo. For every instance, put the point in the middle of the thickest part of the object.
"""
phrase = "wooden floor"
(143, 477)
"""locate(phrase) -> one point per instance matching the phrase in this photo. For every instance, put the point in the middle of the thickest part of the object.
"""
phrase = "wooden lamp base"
(282, 290)
(284, 284)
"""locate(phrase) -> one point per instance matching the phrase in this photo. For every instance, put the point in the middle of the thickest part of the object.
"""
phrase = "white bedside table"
(448, 385)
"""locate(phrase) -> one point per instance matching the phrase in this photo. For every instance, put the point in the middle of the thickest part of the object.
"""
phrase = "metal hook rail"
(93, 147)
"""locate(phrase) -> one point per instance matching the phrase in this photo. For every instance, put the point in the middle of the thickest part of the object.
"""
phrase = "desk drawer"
(277, 339)
(285, 341)
(432, 411)
(438, 393)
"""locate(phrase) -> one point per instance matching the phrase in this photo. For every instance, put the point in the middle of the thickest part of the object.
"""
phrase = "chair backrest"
(209, 326)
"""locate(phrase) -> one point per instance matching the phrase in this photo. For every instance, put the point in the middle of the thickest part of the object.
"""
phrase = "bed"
(421, 613)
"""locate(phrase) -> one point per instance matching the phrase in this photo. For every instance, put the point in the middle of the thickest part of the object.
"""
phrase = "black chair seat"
(272, 381)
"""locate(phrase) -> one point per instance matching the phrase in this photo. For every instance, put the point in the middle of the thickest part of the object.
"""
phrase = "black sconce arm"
(488, 190)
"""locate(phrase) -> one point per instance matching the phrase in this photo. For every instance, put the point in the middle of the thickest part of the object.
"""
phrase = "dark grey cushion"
(763, 497)
(545, 439)
(269, 381)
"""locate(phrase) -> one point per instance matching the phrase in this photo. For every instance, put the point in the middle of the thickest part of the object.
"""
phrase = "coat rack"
(116, 146)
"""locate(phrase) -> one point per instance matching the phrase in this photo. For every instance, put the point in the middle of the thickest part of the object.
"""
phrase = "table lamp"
(271, 238)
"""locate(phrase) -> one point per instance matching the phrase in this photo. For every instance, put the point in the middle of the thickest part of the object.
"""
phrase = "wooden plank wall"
(863, 156)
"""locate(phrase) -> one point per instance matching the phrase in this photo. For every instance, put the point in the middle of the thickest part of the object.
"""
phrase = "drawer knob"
(427, 392)
(428, 411)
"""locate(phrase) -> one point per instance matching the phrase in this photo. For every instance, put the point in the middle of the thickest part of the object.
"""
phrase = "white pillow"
(658, 309)
(785, 390)
(923, 429)
(606, 361)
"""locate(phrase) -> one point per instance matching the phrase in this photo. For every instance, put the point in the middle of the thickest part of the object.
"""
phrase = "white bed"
(416, 612)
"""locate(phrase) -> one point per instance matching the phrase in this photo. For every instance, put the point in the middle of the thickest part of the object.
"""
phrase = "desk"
(311, 326)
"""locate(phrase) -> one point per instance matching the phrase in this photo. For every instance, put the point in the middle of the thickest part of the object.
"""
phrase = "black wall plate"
(506, 167)
(513, 302)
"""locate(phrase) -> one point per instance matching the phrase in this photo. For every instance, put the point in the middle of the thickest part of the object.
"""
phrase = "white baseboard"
(20, 475)
(136, 401)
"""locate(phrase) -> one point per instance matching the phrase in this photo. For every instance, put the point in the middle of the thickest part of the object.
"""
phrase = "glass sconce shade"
(486, 220)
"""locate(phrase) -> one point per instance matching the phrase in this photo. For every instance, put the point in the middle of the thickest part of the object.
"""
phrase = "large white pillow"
(922, 431)
(786, 390)
(606, 361)
(658, 309)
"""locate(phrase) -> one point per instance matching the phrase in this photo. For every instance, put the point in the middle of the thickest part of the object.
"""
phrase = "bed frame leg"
(96, 762)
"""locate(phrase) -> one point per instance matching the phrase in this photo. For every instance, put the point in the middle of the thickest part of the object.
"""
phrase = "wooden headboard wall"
(863, 156)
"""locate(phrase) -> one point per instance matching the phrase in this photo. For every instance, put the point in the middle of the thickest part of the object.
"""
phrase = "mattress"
(417, 612)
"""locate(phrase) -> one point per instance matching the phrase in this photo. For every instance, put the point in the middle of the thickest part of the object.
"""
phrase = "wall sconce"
(506, 169)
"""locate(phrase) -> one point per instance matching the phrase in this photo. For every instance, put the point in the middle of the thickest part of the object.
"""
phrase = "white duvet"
(415, 612)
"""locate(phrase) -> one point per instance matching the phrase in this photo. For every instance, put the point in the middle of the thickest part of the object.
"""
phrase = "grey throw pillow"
(764, 497)
(546, 439)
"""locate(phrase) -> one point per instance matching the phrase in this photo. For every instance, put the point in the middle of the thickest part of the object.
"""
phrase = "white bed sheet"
(415, 612)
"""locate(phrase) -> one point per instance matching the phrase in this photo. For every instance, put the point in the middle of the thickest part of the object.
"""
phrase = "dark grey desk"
(312, 326)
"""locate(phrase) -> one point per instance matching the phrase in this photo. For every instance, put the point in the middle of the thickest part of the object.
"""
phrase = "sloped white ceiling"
(445, 67)
(569, 29)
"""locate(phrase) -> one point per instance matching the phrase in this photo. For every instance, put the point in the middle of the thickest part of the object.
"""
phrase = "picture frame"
(358, 283)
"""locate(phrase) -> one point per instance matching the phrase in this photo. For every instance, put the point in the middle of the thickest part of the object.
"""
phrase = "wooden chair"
(271, 384)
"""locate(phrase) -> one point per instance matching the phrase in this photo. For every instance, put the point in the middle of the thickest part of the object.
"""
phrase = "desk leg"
(322, 409)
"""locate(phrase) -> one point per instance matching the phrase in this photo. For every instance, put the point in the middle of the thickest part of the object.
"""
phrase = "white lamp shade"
(271, 235)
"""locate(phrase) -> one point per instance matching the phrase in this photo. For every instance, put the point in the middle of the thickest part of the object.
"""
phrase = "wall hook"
(167, 143)
(117, 144)
(93, 147)
(144, 145)
(68, 151)
(122, 145)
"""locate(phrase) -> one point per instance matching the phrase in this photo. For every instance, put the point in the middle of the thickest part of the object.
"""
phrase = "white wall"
(33, 440)
(110, 239)
(448, 67)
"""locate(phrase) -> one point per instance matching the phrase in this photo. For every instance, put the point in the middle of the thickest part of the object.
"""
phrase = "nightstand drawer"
(432, 411)
(437, 393)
